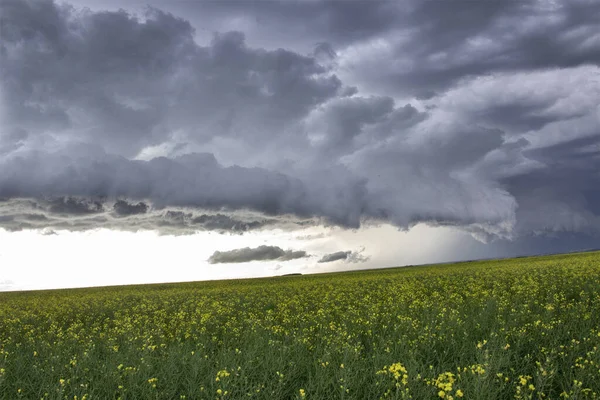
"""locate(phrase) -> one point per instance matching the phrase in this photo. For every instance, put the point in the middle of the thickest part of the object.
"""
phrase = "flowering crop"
(526, 328)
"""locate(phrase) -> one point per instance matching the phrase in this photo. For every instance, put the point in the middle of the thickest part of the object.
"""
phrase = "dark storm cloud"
(260, 253)
(297, 22)
(224, 222)
(436, 44)
(74, 206)
(123, 208)
(192, 180)
(479, 115)
(125, 83)
(573, 167)
(19, 214)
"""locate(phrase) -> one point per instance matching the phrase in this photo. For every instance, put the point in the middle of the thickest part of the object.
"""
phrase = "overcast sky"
(186, 140)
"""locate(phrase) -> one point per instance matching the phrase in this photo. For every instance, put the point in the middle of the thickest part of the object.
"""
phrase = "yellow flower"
(302, 393)
(522, 380)
(222, 374)
(459, 393)
(442, 394)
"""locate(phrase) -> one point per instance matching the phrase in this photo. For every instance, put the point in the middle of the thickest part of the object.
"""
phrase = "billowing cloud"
(227, 223)
(126, 83)
(123, 208)
(260, 253)
(431, 47)
(74, 206)
(465, 115)
(74, 213)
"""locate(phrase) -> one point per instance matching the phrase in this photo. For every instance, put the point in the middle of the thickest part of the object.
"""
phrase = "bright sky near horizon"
(28, 259)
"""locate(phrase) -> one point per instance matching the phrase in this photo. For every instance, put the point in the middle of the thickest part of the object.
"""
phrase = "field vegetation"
(525, 328)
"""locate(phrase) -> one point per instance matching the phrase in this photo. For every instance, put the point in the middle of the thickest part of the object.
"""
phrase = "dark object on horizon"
(292, 274)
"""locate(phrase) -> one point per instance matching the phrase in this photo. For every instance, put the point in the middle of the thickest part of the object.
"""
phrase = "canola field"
(525, 328)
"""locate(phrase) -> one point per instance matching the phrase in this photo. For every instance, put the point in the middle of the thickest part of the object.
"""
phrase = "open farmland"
(525, 328)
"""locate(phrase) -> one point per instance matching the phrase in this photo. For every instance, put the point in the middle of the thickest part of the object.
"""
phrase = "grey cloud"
(347, 256)
(357, 257)
(192, 180)
(525, 101)
(19, 214)
(123, 208)
(74, 206)
(298, 23)
(226, 223)
(176, 217)
(216, 222)
(426, 166)
(292, 255)
(325, 50)
(437, 44)
(124, 83)
(340, 255)
(571, 166)
(35, 217)
(500, 138)
(260, 253)
(283, 86)
(337, 123)
(551, 162)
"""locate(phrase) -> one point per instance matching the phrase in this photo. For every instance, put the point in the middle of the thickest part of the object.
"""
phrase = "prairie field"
(526, 328)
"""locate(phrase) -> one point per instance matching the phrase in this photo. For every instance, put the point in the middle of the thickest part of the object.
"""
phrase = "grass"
(526, 328)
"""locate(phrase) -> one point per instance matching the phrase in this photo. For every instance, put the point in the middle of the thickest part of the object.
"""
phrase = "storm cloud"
(260, 253)
(123, 208)
(483, 115)
(79, 214)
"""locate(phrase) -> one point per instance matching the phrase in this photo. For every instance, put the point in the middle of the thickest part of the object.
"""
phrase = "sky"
(160, 141)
